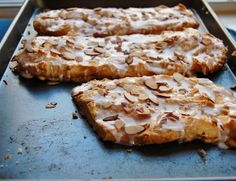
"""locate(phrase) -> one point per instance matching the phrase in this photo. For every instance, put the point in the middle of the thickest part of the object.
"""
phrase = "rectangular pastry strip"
(159, 109)
(100, 22)
(81, 59)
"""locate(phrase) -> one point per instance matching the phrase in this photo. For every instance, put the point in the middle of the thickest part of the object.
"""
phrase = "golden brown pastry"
(159, 109)
(100, 22)
(81, 59)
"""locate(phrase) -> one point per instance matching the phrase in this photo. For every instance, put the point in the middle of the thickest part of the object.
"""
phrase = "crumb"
(129, 150)
(17, 162)
(74, 115)
(5, 82)
(19, 151)
(53, 83)
(7, 157)
(51, 105)
(202, 153)
(233, 87)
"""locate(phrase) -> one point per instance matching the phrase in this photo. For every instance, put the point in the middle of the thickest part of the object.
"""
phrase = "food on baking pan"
(159, 109)
(81, 59)
(100, 22)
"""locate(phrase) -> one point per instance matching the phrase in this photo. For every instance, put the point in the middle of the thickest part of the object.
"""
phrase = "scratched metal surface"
(56, 146)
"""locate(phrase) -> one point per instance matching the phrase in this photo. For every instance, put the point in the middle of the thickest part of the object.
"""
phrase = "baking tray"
(48, 143)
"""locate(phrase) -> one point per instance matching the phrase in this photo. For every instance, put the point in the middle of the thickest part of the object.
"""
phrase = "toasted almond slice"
(52, 41)
(119, 124)
(129, 97)
(91, 52)
(154, 99)
(128, 87)
(101, 44)
(143, 97)
(55, 51)
(13, 65)
(151, 83)
(129, 60)
(163, 95)
(143, 111)
(110, 86)
(134, 129)
(79, 59)
(102, 92)
(99, 50)
(178, 77)
(111, 118)
(106, 104)
(79, 47)
(68, 55)
(164, 88)
(206, 41)
(70, 41)
(127, 107)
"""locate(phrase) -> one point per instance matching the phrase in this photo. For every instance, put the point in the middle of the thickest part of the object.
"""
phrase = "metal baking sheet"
(47, 143)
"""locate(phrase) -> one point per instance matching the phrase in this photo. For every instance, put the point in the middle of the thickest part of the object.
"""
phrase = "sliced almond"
(128, 87)
(164, 88)
(99, 50)
(151, 83)
(129, 60)
(55, 52)
(163, 95)
(68, 56)
(119, 124)
(101, 44)
(52, 41)
(13, 65)
(129, 97)
(154, 99)
(102, 92)
(79, 59)
(70, 41)
(127, 107)
(110, 86)
(79, 47)
(143, 97)
(106, 104)
(143, 111)
(134, 129)
(178, 77)
(111, 118)
(206, 41)
(91, 52)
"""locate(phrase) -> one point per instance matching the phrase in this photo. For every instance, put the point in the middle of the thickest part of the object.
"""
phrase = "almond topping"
(127, 107)
(79, 59)
(106, 104)
(70, 41)
(55, 51)
(91, 52)
(164, 88)
(129, 60)
(206, 41)
(143, 111)
(13, 65)
(129, 97)
(110, 86)
(178, 77)
(163, 95)
(142, 97)
(134, 129)
(119, 124)
(102, 92)
(79, 47)
(154, 99)
(101, 44)
(151, 83)
(99, 50)
(68, 55)
(111, 118)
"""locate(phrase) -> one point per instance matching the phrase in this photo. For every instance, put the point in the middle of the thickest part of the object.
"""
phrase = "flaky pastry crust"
(81, 59)
(159, 109)
(101, 22)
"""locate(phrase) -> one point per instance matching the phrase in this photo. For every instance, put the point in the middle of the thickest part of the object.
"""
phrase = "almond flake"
(119, 124)
(206, 41)
(101, 44)
(79, 59)
(134, 129)
(163, 95)
(129, 97)
(178, 77)
(99, 50)
(143, 111)
(52, 41)
(13, 65)
(154, 99)
(68, 56)
(110, 86)
(151, 83)
(91, 53)
(106, 104)
(55, 51)
(164, 88)
(127, 107)
(70, 41)
(129, 60)
(128, 87)
(79, 47)
(102, 92)
(111, 118)
(143, 97)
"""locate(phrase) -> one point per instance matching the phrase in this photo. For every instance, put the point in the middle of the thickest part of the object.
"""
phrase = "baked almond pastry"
(100, 22)
(159, 109)
(81, 59)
